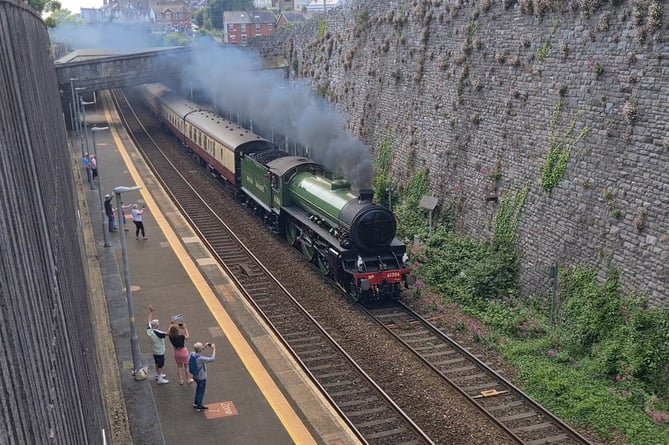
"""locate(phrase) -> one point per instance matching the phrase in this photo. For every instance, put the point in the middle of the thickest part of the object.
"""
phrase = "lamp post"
(86, 154)
(102, 207)
(78, 108)
(134, 340)
(73, 107)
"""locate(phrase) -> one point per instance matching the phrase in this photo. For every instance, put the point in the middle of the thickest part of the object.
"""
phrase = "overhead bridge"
(93, 70)
(85, 71)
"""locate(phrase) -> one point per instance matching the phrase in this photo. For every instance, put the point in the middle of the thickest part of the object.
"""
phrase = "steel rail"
(505, 404)
(368, 410)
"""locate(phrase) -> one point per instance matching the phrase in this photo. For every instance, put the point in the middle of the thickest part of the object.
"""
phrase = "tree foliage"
(38, 5)
(217, 7)
(201, 18)
(61, 16)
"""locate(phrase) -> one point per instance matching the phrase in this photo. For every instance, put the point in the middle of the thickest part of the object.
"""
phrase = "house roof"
(319, 5)
(295, 16)
(248, 17)
(163, 5)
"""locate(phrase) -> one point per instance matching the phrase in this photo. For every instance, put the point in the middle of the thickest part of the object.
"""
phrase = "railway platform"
(255, 392)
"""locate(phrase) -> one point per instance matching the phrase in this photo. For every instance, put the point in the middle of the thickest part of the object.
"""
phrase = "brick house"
(242, 26)
(170, 15)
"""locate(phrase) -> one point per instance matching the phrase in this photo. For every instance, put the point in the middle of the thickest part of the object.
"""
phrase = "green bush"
(570, 392)
(465, 269)
(621, 337)
(590, 311)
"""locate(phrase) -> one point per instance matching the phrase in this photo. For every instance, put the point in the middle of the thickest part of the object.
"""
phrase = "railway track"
(368, 410)
(502, 401)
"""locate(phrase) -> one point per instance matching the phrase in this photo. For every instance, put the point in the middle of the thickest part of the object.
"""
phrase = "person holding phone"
(138, 219)
(201, 377)
(157, 345)
(178, 334)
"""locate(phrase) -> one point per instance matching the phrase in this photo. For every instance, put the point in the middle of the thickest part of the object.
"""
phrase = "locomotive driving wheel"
(308, 250)
(323, 265)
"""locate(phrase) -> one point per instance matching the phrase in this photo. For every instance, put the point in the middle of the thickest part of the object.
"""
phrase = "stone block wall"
(50, 392)
(470, 89)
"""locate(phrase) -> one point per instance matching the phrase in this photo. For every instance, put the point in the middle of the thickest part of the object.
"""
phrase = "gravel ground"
(438, 409)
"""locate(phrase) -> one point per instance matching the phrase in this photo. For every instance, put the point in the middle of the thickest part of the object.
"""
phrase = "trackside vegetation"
(603, 361)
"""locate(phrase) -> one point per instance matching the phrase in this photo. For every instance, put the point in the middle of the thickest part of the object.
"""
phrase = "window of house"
(233, 39)
(257, 27)
(243, 27)
(269, 27)
(244, 39)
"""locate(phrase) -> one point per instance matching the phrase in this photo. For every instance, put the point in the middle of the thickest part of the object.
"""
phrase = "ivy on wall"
(560, 149)
(411, 219)
(382, 181)
(322, 28)
(508, 216)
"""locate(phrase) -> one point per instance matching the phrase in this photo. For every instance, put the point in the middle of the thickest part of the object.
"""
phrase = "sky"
(75, 5)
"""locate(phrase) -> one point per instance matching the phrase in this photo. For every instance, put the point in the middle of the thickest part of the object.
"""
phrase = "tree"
(216, 13)
(201, 18)
(217, 7)
(38, 5)
(61, 16)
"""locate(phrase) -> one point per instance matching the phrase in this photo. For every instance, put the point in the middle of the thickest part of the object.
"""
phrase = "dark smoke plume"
(235, 80)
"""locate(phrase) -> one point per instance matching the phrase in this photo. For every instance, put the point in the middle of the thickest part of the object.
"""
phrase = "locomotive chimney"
(366, 196)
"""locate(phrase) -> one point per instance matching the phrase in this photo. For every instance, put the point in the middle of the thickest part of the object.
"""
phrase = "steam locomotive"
(349, 238)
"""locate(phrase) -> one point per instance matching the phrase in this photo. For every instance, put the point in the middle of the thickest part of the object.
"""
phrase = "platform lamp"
(77, 109)
(74, 109)
(86, 154)
(138, 370)
(102, 205)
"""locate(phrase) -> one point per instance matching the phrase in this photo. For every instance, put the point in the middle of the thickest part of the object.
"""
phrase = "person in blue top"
(201, 376)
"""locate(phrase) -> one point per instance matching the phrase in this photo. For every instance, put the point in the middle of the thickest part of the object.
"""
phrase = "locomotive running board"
(303, 218)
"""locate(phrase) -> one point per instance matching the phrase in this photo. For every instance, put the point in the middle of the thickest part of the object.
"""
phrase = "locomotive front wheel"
(323, 265)
(354, 292)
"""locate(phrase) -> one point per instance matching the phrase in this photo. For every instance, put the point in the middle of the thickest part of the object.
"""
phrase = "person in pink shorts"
(178, 334)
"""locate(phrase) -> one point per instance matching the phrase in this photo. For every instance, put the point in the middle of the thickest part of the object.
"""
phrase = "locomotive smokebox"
(366, 196)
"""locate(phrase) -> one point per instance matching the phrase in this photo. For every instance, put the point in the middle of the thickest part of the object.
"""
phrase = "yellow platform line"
(284, 411)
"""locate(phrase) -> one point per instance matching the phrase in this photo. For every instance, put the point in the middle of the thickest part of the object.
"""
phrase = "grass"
(573, 394)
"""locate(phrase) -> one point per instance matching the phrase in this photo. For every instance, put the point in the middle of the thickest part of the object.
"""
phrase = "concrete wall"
(49, 390)
(470, 88)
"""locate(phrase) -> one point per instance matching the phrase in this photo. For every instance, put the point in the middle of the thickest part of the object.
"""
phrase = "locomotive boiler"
(345, 234)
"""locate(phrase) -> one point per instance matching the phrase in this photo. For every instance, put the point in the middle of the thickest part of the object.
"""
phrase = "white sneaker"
(162, 381)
